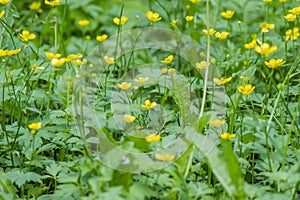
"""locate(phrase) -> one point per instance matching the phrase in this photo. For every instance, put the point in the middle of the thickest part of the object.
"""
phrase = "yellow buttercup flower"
(290, 17)
(26, 36)
(295, 11)
(36, 6)
(189, 18)
(109, 60)
(4, 2)
(201, 65)
(35, 126)
(251, 45)
(119, 21)
(246, 90)
(265, 49)
(217, 122)
(125, 85)
(211, 31)
(282, 1)
(164, 157)
(73, 57)
(267, 1)
(53, 2)
(292, 34)
(195, 1)
(273, 63)
(128, 118)
(266, 26)
(80, 62)
(222, 35)
(9, 52)
(141, 80)
(153, 16)
(84, 22)
(101, 38)
(148, 104)
(227, 136)
(222, 80)
(227, 14)
(171, 71)
(52, 55)
(2, 13)
(164, 70)
(168, 59)
(57, 62)
(35, 67)
(152, 137)
(174, 22)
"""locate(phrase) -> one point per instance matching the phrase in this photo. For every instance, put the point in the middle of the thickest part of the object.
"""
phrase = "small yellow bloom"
(80, 62)
(227, 136)
(125, 85)
(153, 16)
(52, 55)
(295, 11)
(53, 2)
(141, 80)
(136, 87)
(292, 34)
(36, 6)
(222, 80)
(217, 122)
(211, 31)
(189, 18)
(9, 52)
(152, 137)
(109, 60)
(164, 157)
(251, 45)
(84, 22)
(168, 59)
(171, 71)
(227, 14)
(201, 65)
(35, 126)
(57, 62)
(195, 1)
(147, 104)
(72, 57)
(4, 1)
(273, 63)
(290, 17)
(174, 22)
(267, 1)
(265, 49)
(26, 36)
(2, 13)
(35, 67)
(266, 26)
(282, 1)
(128, 118)
(119, 21)
(101, 38)
(221, 36)
(164, 70)
(248, 89)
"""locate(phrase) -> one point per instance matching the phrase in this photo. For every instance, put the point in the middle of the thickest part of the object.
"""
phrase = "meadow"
(154, 99)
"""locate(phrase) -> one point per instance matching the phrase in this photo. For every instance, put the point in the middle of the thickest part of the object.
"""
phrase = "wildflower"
(125, 85)
(109, 60)
(35, 67)
(136, 87)
(246, 90)
(189, 18)
(2, 13)
(201, 65)
(164, 157)
(227, 136)
(222, 80)
(174, 22)
(227, 14)
(265, 49)
(52, 55)
(35, 126)
(211, 31)
(4, 1)
(195, 1)
(80, 62)
(9, 52)
(290, 17)
(282, 1)
(273, 63)
(266, 26)
(172, 71)
(147, 104)
(221, 36)
(292, 34)
(251, 45)
(295, 11)
(141, 80)
(119, 21)
(36, 6)
(128, 118)
(168, 59)
(164, 70)
(101, 38)
(267, 1)
(72, 57)
(26, 36)
(217, 122)
(152, 137)
(53, 2)
(57, 62)
(153, 17)
(84, 22)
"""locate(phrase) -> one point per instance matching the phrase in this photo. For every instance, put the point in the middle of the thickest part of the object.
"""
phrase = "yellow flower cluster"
(57, 61)
(292, 34)
(9, 52)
